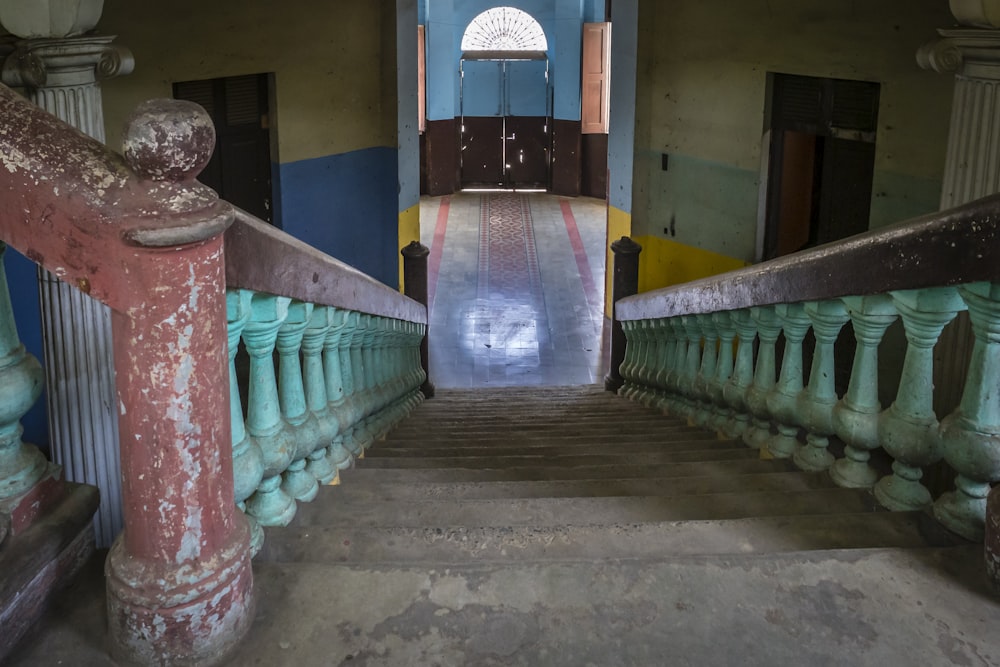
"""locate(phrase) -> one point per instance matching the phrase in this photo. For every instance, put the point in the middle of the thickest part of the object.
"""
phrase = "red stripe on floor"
(434, 260)
(582, 264)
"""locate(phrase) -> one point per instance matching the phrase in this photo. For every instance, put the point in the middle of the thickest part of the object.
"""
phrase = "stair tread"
(660, 540)
(374, 490)
(559, 461)
(330, 511)
(538, 473)
(476, 448)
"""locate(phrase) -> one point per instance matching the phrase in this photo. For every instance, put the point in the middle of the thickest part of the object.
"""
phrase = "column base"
(189, 614)
(41, 558)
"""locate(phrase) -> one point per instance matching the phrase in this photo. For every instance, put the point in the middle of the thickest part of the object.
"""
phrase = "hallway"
(516, 289)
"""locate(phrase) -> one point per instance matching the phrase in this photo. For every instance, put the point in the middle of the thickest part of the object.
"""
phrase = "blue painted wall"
(446, 21)
(346, 205)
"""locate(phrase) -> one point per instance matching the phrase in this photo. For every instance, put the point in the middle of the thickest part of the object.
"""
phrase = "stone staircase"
(568, 526)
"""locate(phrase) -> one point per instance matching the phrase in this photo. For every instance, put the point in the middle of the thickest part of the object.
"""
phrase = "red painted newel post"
(179, 577)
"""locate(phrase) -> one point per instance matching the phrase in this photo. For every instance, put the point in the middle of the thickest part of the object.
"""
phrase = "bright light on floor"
(504, 190)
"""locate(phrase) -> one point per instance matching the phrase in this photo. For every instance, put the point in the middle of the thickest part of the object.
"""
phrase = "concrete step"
(565, 429)
(869, 607)
(455, 545)
(564, 461)
(374, 490)
(532, 472)
(457, 448)
(539, 512)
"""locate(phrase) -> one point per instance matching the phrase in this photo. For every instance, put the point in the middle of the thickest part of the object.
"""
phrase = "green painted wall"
(334, 63)
(702, 72)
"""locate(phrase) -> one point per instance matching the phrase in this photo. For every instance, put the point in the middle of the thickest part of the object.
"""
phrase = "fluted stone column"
(972, 162)
(61, 72)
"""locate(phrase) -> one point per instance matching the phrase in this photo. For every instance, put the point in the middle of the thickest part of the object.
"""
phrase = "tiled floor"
(516, 287)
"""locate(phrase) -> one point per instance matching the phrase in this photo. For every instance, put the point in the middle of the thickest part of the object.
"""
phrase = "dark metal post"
(625, 283)
(415, 287)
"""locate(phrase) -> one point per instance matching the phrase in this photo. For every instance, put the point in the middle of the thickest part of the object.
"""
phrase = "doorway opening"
(505, 102)
(819, 141)
(505, 125)
(240, 168)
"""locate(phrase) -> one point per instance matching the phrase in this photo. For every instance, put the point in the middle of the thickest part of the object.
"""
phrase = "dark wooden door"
(506, 129)
(821, 161)
(240, 168)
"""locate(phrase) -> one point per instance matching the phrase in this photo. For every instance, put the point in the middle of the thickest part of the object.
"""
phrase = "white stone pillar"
(61, 72)
(972, 162)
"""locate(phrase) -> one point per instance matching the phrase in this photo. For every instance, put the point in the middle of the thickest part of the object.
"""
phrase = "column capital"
(969, 51)
(70, 61)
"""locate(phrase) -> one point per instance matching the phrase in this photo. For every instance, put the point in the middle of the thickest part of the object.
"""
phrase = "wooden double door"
(506, 123)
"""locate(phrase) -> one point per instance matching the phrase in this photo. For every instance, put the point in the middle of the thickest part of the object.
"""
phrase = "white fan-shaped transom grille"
(504, 29)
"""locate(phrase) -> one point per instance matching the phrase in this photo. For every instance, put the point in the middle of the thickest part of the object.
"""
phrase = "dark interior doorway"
(240, 168)
(505, 123)
(821, 135)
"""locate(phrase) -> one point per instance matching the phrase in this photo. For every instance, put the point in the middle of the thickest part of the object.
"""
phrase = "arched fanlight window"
(504, 29)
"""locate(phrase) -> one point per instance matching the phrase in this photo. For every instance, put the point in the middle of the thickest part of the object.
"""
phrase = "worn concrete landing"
(863, 607)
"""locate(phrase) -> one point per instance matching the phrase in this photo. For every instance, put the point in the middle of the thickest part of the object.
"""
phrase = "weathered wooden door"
(240, 168)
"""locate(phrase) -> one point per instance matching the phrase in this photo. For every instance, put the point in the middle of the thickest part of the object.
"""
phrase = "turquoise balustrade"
(334, 364)
(680, 357)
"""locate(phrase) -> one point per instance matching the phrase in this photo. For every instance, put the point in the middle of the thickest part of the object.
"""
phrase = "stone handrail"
(707, 351)
(263, 258)
(947, 248)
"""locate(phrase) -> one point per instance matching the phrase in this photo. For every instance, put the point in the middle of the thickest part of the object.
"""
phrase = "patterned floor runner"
(511, 303)
(508, 261)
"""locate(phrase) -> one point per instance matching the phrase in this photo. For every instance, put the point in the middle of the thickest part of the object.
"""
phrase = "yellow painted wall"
(664, 263)
(327, 57)
(701, 94)
(619, 225)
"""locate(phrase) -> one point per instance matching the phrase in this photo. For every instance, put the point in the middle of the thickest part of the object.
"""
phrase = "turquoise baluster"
(971, 434)
(321, 464)
(647, 365)
(782, 401)
(855, 417)
(336, 379)
(735, 391)
(248, 460)
(723, 370)
(668, 355)
(302, 426)
(908, 429)
(21, 376)
(628, 365)
(692, 362)
(361, 359)
(672, 402)
(270, 504)
(352, 405)
(419, 331)
(758, 433)
(706, 372)
(815, 404)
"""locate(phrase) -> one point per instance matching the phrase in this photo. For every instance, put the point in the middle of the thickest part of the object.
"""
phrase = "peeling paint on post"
(179, 578)
(145, 238)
